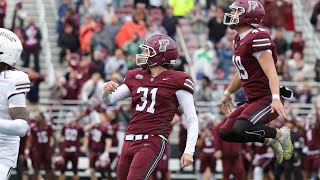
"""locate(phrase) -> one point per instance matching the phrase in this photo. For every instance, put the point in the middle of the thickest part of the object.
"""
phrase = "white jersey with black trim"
(11, 83)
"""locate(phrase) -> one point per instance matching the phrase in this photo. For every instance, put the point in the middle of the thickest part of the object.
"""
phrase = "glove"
(104, 156)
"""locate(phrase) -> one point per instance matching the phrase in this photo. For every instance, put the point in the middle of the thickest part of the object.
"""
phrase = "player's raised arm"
(112, 92)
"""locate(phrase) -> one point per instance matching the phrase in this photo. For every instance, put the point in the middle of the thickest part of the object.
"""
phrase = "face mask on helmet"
(233, 18)
(147, 52)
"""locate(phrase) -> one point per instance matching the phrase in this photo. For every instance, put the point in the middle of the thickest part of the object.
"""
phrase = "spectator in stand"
(112, 29)
(3, 9)
(116, 63)
(91, 88)
(280, 41)
(144, 2)
(204, 91)
(18, 14)
(225, 53)
(140, 12)
(204, 60)
(86, 68)
(100, 40)
(315, 16)
(57, 91)
(181, 8)
(317, 70)
(296, 65)
(303, 94)
(32, 40)
(128, 29)
(72, 85)
(170, 22)
(108, 13)
(85, 34)
(97, 7)
(181, 62)
(154, 29)
(297, 43)
(62, 11)
(68, 41)
(216, 27)
(198, 25)
(72, 18)
(132, 47)
(36, 79)
(98, 63)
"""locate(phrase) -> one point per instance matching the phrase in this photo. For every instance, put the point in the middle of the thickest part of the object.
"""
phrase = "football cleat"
(286, 143)
(277, 148)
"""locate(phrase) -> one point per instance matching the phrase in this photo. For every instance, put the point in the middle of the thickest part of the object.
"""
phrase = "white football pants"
(5, 172)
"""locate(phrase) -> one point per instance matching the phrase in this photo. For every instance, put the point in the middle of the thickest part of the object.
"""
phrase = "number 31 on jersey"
(242, 71)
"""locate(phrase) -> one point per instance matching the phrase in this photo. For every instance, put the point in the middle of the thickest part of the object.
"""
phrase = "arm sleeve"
(17, 100)
(186, 102)
(121, 93)
(258, 53)
(17, 127)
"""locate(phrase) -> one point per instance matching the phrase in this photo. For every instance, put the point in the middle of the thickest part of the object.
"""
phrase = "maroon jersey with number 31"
(154, 100)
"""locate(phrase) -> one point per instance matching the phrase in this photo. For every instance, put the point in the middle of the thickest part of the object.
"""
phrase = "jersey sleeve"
(187, 83)
(19, 84)
(128, 79)
(261, 42)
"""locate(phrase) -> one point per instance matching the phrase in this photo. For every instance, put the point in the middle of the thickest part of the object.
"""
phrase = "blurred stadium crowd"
(98, 41)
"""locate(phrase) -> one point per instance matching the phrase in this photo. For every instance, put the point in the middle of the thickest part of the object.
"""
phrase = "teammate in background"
(13, 112)
(156, 93)
(263, 157)
(312, 144)
(39, 146)
(255, 58)
(206, 154)
(99, 143)
(72, 134)
(231, 155)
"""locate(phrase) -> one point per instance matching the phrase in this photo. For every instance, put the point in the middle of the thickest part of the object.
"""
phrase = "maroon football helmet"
(245, 12)
(58, 162)
(159, 49)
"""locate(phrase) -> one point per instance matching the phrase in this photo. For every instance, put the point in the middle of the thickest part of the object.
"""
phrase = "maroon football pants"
(139, 158)
(233, 166)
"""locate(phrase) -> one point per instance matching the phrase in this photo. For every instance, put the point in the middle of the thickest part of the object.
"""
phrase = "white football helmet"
(10, 47)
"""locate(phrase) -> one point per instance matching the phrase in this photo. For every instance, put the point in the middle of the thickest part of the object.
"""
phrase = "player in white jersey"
(13, 112)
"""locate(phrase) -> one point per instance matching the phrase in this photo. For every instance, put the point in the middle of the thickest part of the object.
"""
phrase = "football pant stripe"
(20, 88)
(263, 115)
(259, 45)
(156, 161)
(259, 40)
(257, 116)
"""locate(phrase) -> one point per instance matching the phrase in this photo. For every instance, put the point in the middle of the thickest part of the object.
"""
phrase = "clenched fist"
(110, 86)
(186, 160)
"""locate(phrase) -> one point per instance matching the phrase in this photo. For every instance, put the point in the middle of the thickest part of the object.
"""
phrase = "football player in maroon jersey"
(72, 134)
(157, 92)
(39, 144)
(255, 57)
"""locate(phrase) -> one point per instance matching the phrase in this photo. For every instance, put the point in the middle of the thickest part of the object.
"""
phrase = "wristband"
(275, 96)
(227, 93)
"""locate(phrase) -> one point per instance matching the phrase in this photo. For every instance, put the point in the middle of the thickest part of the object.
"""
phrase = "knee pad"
(240, 126)
(224, 135)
